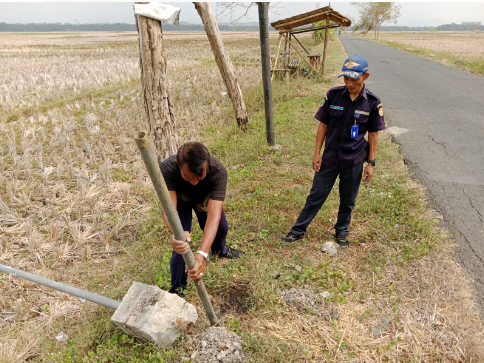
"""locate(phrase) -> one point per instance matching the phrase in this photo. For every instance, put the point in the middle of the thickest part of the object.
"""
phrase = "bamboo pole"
(277, 57)
(148, 154)
(325, 45)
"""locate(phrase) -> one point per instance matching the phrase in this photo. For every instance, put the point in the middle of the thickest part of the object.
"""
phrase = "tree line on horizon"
(53, 27)
(57, 27)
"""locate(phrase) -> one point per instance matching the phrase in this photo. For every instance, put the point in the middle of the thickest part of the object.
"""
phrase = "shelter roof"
(311, 17)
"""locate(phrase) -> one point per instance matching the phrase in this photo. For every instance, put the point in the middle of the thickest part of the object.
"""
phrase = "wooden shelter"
(289, 27)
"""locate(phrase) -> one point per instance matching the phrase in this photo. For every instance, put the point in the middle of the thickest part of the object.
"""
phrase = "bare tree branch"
(230, 9)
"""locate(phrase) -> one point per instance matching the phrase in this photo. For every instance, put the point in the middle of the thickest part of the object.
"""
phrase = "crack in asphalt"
(441, 144)
(473, 207)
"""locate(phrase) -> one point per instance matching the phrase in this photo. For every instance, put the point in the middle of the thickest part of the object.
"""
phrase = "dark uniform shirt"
(338, 112)
(213, 186)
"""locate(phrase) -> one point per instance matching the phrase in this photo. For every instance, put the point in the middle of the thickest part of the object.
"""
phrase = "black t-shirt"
(213, 186)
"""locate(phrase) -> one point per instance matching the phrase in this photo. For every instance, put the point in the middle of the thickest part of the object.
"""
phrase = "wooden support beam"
(312, 28)
(300, 43)
(277, 56)
(223, 62)
(284, 55)
(325, 46)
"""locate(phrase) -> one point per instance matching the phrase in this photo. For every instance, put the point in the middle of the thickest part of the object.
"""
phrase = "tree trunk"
(223, 63)
(155, 87)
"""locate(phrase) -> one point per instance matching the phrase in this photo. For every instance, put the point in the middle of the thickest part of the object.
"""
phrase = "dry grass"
(464, 43)
(72, 185)
(74, 196)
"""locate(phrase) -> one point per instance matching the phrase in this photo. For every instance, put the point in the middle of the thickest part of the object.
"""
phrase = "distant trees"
(374, 14)
(64, 27)
(318, 35)
(464, 26)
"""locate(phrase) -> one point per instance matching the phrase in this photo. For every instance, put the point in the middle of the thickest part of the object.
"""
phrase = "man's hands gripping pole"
(197, 272)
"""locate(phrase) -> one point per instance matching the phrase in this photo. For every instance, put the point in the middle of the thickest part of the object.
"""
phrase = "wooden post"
(289, 48)
(223, 63)
(325, 44)
(155, 87)
(266, 70)
(284, 56)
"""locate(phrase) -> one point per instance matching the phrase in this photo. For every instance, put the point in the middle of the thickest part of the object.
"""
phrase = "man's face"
(190, 177)
(356, 85)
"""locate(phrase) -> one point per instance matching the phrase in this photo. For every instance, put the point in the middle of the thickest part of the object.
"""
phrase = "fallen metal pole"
(95, 298)
(148, 154)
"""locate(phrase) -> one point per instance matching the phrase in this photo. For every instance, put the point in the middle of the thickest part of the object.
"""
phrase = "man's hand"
(368, 173)
(316, 162)
(199, 268)
(180, 246)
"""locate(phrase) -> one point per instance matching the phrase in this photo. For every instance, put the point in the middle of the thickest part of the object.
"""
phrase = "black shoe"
(290, 238)
(232, 253)
(342, 241)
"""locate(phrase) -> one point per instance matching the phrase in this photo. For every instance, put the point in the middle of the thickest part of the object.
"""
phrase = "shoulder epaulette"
(368, 92)
(338, 88)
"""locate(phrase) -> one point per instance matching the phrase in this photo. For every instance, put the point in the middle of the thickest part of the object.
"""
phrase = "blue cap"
(354, 66)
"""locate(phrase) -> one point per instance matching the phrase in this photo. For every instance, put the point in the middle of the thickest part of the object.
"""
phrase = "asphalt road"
(437, 115)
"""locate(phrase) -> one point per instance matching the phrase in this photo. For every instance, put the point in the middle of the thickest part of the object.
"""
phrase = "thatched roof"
(311, 17)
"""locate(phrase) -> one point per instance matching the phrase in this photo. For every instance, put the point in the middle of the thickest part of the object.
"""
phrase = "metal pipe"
(266, 70)
(95, 298)
(148, 153)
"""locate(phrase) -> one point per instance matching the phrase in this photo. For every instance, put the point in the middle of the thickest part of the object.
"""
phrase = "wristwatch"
(204, 254)
(372, 162)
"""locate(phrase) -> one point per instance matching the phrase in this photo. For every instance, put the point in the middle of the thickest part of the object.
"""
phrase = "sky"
(412, 13)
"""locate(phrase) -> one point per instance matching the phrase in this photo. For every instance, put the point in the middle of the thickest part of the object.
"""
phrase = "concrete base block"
(154, 315)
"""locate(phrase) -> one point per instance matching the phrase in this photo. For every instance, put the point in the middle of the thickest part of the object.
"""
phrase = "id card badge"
(354, 128)
(354, 131)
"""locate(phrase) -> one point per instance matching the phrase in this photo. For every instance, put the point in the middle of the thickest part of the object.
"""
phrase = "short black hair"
(194, 154)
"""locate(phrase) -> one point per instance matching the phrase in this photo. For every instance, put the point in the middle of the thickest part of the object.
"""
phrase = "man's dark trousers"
(177, 263)
(323, 182)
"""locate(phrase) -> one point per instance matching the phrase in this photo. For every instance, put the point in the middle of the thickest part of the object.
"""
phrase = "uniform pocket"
(335, 116)
(362, 120)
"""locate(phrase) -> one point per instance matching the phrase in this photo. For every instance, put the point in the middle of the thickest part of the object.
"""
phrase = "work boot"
(290, 238)
(342, 241)
(232, 253)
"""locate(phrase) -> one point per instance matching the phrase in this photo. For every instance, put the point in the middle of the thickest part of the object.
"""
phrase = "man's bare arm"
(373, 141)
(214, 212)
(320, 136)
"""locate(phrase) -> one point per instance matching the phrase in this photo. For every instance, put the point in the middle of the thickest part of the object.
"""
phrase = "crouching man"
(196, 181)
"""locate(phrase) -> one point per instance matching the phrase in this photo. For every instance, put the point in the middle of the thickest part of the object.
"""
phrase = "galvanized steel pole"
(148, 154)
(98, 299)
(266, 70)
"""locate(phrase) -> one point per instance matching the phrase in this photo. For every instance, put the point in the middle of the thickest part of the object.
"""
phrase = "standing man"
(196, 181)
(346, 114)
